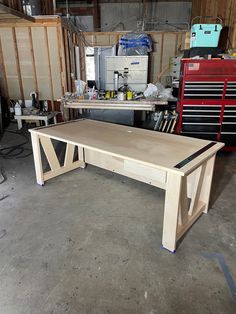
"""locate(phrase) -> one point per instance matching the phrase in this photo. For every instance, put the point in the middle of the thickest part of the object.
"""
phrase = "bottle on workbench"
(17, 108)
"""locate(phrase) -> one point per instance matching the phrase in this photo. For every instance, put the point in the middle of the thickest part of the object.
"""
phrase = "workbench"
(141, 105)
(36, 118)
(182, 166)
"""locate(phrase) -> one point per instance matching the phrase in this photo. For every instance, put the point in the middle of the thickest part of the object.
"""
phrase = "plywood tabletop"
(159, 150)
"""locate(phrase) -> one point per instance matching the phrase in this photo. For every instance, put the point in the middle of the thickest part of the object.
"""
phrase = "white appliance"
(138, 71)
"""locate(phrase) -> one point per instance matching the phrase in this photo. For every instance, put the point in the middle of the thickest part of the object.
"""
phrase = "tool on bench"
(165, 120)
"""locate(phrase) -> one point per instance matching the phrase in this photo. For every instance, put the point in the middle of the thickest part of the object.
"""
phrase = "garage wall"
(226, 10)
(40, 57)
(124, 16)
(165, 46)
(31, 61)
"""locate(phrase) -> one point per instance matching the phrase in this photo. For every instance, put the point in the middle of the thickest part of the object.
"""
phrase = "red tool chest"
(207, 100)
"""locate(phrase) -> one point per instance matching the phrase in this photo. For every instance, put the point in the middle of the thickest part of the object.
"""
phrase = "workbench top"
(144, 104)
(159, 150)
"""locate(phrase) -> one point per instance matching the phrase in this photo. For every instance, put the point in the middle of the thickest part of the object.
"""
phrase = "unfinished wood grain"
(55, 63)
(50, 153)
(61, 54)
(207, 183)
(25, 60)
(52, 174)
(143, 155)
(49, 67)
(126, 168)
(169, 49)
(33, 59)
(67, 60)
(8, 51)
(41, 63)
(62, 62)
(226, 10)
(197, 187)
(69, 154)
(171, 211)
(3, 77)
(81, 155)
(159, 150)
(183, 202)
(17, 63)
(181, 229)
(82, 63)
(37, 158)
(162, 50)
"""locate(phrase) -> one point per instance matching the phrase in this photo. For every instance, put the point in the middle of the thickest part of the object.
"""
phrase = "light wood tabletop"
(182, 166)
(159, 150)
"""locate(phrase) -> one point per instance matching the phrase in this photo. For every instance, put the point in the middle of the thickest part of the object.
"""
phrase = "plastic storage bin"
(205, 35)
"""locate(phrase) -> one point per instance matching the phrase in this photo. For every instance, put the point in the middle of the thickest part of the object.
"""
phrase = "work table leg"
(187, 197)
(207, 181)
(37, 158)
(56, 168)
(19, 124)
(172, 199)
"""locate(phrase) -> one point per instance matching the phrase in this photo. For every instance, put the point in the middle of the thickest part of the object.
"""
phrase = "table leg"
(46, 122)
(207, 181)
(55, 120)
(65, 111)
(55, 167)
(19, 123)
(172, 199)
(187, 197)
(37, 158)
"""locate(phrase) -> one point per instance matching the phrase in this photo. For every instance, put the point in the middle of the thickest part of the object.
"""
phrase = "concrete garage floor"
(90, 242)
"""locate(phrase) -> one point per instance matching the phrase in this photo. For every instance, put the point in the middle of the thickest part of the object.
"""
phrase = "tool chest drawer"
(229, 119)
(204, 114)
(230, 90)
(200, 119)
(200, 127)
(207, 90)
(202, 108)
(228, 127)
(230, 110)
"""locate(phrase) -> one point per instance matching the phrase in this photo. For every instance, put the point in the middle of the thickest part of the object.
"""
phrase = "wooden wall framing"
(40, 56)
(226, 10)
(32, 59)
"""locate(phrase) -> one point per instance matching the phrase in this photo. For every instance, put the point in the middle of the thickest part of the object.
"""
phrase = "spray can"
(116, 80)
(129, 95)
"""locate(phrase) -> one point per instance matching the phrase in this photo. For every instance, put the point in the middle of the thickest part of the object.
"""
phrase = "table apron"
(132, 169)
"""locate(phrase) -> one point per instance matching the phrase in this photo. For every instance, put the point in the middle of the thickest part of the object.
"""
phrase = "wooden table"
(180, 165)
(36, 117)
